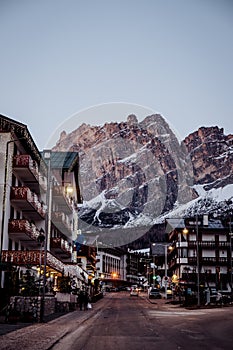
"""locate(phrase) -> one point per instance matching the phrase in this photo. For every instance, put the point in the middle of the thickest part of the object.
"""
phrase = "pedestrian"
(81, 300)
(85, 300)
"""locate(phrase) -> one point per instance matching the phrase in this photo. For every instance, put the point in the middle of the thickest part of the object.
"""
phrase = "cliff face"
(131, 173)
(129, 169)
(211, 153)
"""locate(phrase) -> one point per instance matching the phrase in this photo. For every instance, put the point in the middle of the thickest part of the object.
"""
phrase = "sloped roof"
(174, 223)
(64, 160)
(158, 249)
(21, 131)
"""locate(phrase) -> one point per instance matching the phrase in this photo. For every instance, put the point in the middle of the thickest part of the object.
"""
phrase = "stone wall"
(28, 309)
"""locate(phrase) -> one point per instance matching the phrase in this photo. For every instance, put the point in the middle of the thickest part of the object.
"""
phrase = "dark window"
(12, 213)
(10, 244)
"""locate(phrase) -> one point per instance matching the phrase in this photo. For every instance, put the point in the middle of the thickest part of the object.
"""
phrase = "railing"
(61, 221)
(23, 226)
(62, 218)
(25, 161)
(23, 257)
(61, 244)
(25, 194)
(61, 197)
(36, 258)
(208, 244)
(31, 257)
(28, 169)
(208, 260)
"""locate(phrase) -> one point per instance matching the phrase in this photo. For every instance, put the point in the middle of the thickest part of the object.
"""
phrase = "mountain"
(211, 153)
(133, 174)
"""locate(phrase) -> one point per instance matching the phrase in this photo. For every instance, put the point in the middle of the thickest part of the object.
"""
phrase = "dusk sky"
(61, 57)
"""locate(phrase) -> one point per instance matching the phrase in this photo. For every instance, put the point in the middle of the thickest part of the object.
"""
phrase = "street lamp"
(231, 235)
(47, 157)
(198, 264)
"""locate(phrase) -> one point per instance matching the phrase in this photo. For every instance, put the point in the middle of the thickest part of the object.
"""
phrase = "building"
(201, 251)
(39, 196)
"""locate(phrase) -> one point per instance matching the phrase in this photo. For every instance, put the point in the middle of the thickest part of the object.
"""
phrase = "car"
(169, 293)
(134, 292)
(154, 294)
(124, 288)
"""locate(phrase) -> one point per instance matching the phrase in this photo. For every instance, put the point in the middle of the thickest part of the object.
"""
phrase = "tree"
(64, 284)
(28, 284)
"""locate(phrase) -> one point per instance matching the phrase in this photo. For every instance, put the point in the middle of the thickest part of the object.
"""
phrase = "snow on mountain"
(136, 174)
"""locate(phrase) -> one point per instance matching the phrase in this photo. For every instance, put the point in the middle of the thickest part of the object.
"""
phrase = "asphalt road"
(131, 323)
(121, 322)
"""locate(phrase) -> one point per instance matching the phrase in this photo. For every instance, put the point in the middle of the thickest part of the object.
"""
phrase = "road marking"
(174, 313)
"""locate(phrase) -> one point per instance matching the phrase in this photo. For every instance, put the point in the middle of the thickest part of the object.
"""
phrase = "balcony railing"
(23, 230)
(23, 257)
(61, 221)
(208, 244)
(65, 202)
(36, 258)
(31, 257)
(27, 169)
(61, 247)
(27, 201)
(208, 260)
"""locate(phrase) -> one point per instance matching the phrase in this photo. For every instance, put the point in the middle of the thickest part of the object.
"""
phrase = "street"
(129, 323)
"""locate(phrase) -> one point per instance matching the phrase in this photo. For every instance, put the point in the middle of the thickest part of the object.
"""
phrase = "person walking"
(85, 300)
(81, 298)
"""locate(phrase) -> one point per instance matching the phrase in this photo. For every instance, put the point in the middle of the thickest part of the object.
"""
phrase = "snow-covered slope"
(136, 174)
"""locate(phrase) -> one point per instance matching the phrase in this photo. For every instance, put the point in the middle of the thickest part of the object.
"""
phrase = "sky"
(60, 58)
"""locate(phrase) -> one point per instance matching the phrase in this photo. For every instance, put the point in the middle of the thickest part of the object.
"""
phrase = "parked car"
(134, 292)
(169, 293)
(124, 288)
(154, 294)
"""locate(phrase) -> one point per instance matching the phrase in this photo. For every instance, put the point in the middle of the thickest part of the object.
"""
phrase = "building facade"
(37, 210)
(201, 251)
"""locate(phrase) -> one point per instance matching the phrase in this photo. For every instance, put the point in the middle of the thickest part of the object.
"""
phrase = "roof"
(64, 160)
(174, 223)
(158, 249)
(21, 131)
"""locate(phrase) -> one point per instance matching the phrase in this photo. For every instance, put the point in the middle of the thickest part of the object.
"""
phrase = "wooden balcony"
(209, 244)
(24, 231)
(31, 257)
(23, 257)
(22, 198)
(61, 247)
(27, 170)
(208, 261)
(61, 221)
(64, 202)
(36, 258)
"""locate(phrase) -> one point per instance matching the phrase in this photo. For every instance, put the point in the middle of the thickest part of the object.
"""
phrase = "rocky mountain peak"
(128, 169)
(211, 154)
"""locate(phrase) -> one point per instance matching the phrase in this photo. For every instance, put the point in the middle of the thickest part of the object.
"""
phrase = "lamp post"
(231, 235)
(47, 157)
(198, 264)
(97, 255)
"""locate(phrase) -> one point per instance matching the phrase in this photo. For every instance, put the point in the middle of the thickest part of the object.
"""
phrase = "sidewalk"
(10, 327)
(42, 336)
(171, 304)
